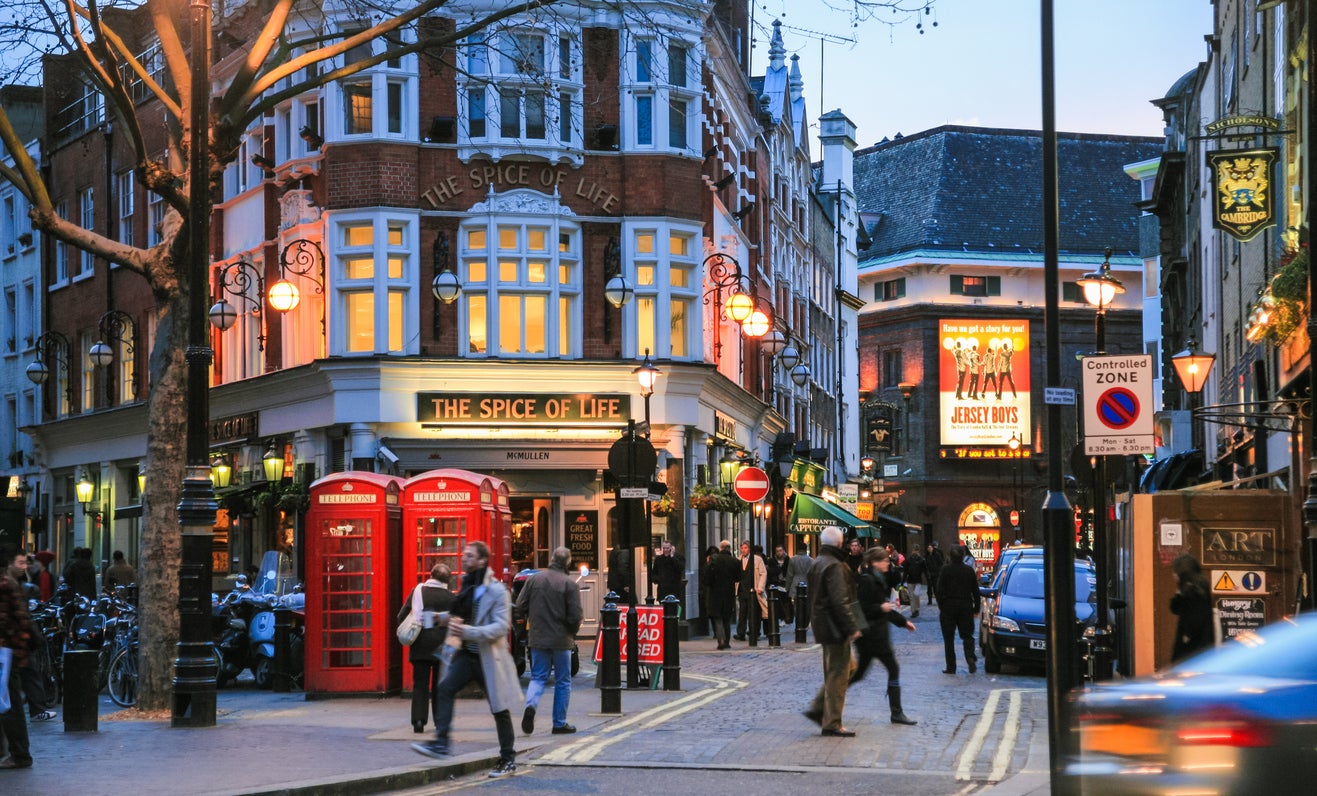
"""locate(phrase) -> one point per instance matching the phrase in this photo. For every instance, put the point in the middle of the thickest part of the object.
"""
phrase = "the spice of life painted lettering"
(524, 409)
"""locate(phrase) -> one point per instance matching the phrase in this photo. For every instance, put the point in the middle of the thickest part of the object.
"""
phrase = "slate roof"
(980, 189)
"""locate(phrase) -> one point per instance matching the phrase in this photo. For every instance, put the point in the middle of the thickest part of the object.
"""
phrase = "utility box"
(1249, 543)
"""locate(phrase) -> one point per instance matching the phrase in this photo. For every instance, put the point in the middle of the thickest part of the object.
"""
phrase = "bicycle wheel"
(123, 677)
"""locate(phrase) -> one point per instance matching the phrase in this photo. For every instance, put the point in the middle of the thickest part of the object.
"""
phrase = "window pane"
(566, 274)
(536, 240)
(537, 271)
(397, 319)
(524, 54)
(359, 268)
(395, 107)
(477, 335)
(645, 120)
(645, 324)
(358, 235)
(476, 271)
(680, 314)
(645, 275)
(564, 242)
(565, 326)
(645, 243)
(507, 238)
(680, 277)
(396, 230)
(509, 324)
(677, 123)
(396, 266)
(475, 103)
(475, 240)
(535, 114)
(507, 271)
(356, 108)
(537, 308)
(564, 56)
(476, 56)
(361, 322)
(565, 117)
(509, 113)
(679, 245)
(644, 60)
(677, 65)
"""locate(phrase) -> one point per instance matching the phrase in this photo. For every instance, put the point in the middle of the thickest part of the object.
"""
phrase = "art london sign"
(1242, 202)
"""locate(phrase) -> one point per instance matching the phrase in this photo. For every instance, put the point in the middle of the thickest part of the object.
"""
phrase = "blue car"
(1012, 627)
(1240, 718)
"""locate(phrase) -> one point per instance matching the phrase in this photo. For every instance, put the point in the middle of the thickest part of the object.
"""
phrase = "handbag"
(410, 626)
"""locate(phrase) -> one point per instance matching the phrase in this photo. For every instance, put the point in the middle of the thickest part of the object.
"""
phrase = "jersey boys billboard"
(983, 378)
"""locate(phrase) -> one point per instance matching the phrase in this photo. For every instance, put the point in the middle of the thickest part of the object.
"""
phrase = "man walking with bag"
(837, 621)
(551, 603)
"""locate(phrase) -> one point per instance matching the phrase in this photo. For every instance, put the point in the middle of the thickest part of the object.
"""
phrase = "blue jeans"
(560, 662)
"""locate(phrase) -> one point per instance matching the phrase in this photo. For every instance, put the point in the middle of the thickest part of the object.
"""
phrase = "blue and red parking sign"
(1118, 401)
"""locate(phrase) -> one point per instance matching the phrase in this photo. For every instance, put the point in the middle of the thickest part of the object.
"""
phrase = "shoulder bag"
(410, 626)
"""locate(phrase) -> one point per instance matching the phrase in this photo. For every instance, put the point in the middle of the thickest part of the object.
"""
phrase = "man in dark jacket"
(837, 622)
(667, 572)
(80, 573)
(551, 603)
(958, 593)
(723, 572)
(15, 633)
(933, 564)
(875, 596)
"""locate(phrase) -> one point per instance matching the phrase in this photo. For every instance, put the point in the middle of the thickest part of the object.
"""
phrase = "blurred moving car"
(1012, 626)
(1238, 719)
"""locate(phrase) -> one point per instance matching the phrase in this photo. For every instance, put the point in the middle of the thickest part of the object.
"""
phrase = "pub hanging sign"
(1241, 187)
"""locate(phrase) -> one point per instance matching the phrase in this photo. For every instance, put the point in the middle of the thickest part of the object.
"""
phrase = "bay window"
(653, 84)
(374, 273)
(667, 284)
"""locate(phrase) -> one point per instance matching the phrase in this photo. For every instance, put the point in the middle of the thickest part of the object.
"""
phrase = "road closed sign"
(1118, 405)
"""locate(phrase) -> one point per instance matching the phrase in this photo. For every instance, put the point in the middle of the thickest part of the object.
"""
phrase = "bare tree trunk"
(161, 537)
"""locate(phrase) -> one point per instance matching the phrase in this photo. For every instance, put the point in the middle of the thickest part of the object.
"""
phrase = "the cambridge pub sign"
(1241, 181)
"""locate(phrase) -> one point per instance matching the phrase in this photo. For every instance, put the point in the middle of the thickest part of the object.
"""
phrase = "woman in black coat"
(436, 598)
(875, 598)
(1192, 607)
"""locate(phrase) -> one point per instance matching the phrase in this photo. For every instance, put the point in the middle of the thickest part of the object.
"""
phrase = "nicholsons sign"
(521, 409)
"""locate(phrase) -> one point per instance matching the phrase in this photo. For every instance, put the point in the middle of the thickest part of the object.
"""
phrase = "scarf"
(464, 605)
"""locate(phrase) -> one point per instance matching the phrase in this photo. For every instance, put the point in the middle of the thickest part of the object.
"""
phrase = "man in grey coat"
(797, 570)
(479, 619)
(837, 621)
(551, 602)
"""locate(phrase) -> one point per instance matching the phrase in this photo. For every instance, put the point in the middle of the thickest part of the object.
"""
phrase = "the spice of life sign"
(1118, 405)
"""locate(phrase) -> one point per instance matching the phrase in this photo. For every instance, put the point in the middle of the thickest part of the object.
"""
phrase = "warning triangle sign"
(1224, 583)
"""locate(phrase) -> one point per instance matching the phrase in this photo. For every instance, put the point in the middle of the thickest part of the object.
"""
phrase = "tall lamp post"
(194, 665)
(1014, 444)
(647, 375)
(1100, 290)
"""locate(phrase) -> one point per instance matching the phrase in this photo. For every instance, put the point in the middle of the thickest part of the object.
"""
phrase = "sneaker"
(503, 769)
(435, 749)
(45, 715)
(528, 720)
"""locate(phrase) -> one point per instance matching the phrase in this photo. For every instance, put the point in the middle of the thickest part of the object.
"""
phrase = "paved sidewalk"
(267, 743)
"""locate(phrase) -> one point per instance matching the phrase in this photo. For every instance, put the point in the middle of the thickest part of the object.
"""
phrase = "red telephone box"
(443, 510)
(352, 569)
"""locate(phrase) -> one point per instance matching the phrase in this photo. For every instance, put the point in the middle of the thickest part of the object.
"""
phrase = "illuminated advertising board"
(983, 382)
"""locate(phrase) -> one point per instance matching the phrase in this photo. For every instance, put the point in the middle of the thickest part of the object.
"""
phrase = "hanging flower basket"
(1283, 306)
(662, 507)
(704, 498)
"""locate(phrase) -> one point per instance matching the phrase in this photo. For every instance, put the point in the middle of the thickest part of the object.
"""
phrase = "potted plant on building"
(704, 497)
(663, 506)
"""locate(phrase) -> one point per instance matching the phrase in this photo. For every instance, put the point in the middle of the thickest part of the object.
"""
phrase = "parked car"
(1240, 719)
(1012, 626)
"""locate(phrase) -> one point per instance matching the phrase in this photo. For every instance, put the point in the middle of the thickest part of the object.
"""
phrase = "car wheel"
(991, 663)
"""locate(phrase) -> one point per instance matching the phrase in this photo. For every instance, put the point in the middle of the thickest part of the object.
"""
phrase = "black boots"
(894, 700)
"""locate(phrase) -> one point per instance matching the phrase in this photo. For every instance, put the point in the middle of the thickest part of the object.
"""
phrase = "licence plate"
(1037, 643)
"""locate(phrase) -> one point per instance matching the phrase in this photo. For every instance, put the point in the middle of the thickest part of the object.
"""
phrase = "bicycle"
(122, 678)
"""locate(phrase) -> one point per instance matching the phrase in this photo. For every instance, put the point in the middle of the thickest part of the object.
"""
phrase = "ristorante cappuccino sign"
(435, 409)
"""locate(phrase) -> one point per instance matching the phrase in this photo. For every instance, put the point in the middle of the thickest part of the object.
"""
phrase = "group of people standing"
(983, 370)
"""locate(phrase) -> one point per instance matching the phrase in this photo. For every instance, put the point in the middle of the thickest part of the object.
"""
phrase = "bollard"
(802, 611)
(283, 625)
(671, 650)
(81, 685)
(610, 667)
(1102, 656)
(774, 605)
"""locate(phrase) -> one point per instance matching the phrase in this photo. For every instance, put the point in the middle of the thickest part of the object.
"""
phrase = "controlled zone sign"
(1118, 405)
(649, 640)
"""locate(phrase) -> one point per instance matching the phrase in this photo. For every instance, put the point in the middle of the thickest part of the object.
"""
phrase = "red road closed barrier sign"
(751, 484)
(650, 637)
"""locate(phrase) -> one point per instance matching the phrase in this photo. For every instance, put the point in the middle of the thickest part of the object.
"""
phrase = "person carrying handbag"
(435, 599)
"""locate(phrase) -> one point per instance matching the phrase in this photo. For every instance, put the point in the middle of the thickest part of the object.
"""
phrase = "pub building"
(455, 241)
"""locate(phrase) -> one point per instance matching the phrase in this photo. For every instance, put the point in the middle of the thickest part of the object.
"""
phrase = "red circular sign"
(751, 484)
(1118, 408)
(1015, 517)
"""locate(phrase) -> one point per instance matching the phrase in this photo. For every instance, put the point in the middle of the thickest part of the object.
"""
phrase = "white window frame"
(61, 276)
(155, 216)
(648, 80)
(523, 210)
(86, 220)
(126, 192)
(662, 289)
(400, 73)
(381, 285)
(9, 223)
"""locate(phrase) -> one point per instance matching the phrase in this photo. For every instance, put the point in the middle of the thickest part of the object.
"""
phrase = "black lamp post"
(1100, 289)
(647, 375)
(1014, 444)
(194, 666)
(116, 326)
(727, 278)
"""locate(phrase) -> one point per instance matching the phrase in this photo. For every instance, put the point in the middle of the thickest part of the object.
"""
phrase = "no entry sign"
(751, 484)
(1118, 416)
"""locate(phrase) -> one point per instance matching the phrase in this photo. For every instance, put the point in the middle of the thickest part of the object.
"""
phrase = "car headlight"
(1002, 623)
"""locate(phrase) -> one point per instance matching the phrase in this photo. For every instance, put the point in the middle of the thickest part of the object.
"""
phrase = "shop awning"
(812, 514)
(890, 524)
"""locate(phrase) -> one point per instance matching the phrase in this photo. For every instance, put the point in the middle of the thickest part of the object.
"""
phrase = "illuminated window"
(666, 292)
(373, 277)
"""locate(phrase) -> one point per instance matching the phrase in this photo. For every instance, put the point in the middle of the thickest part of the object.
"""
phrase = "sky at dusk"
(980, 66)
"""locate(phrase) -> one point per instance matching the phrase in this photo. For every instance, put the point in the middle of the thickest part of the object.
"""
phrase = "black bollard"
(774, 607)
(610, 668)
(80, 688)
(671, 650)
(802, 611)
(283, 626)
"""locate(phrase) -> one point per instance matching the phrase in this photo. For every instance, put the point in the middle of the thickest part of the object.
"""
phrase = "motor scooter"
(247, 622)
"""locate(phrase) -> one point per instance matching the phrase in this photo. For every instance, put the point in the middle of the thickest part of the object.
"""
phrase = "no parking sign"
(1118, 408)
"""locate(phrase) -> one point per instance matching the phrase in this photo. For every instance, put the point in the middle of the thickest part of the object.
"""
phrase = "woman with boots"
(875, 598)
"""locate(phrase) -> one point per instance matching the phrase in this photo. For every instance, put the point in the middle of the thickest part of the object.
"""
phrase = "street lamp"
(1193, 366)
(273, 465)
(1100, 289)
(194, 663)
(1014, 443)
(86, 492)
(221, 474)
(739, 305)
(648, 375)
(117, 327)
(54, 347)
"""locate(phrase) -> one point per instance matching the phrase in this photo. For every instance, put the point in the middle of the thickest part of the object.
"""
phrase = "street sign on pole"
(751, 484)
(1118, 405)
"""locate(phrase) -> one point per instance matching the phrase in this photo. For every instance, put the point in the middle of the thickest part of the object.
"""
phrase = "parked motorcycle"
(245, 620)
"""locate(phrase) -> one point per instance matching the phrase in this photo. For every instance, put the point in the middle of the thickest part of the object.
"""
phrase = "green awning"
(811, 515)
(895, 524)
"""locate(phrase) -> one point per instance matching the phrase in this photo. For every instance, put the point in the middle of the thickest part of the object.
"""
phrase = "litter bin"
(81, 686)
